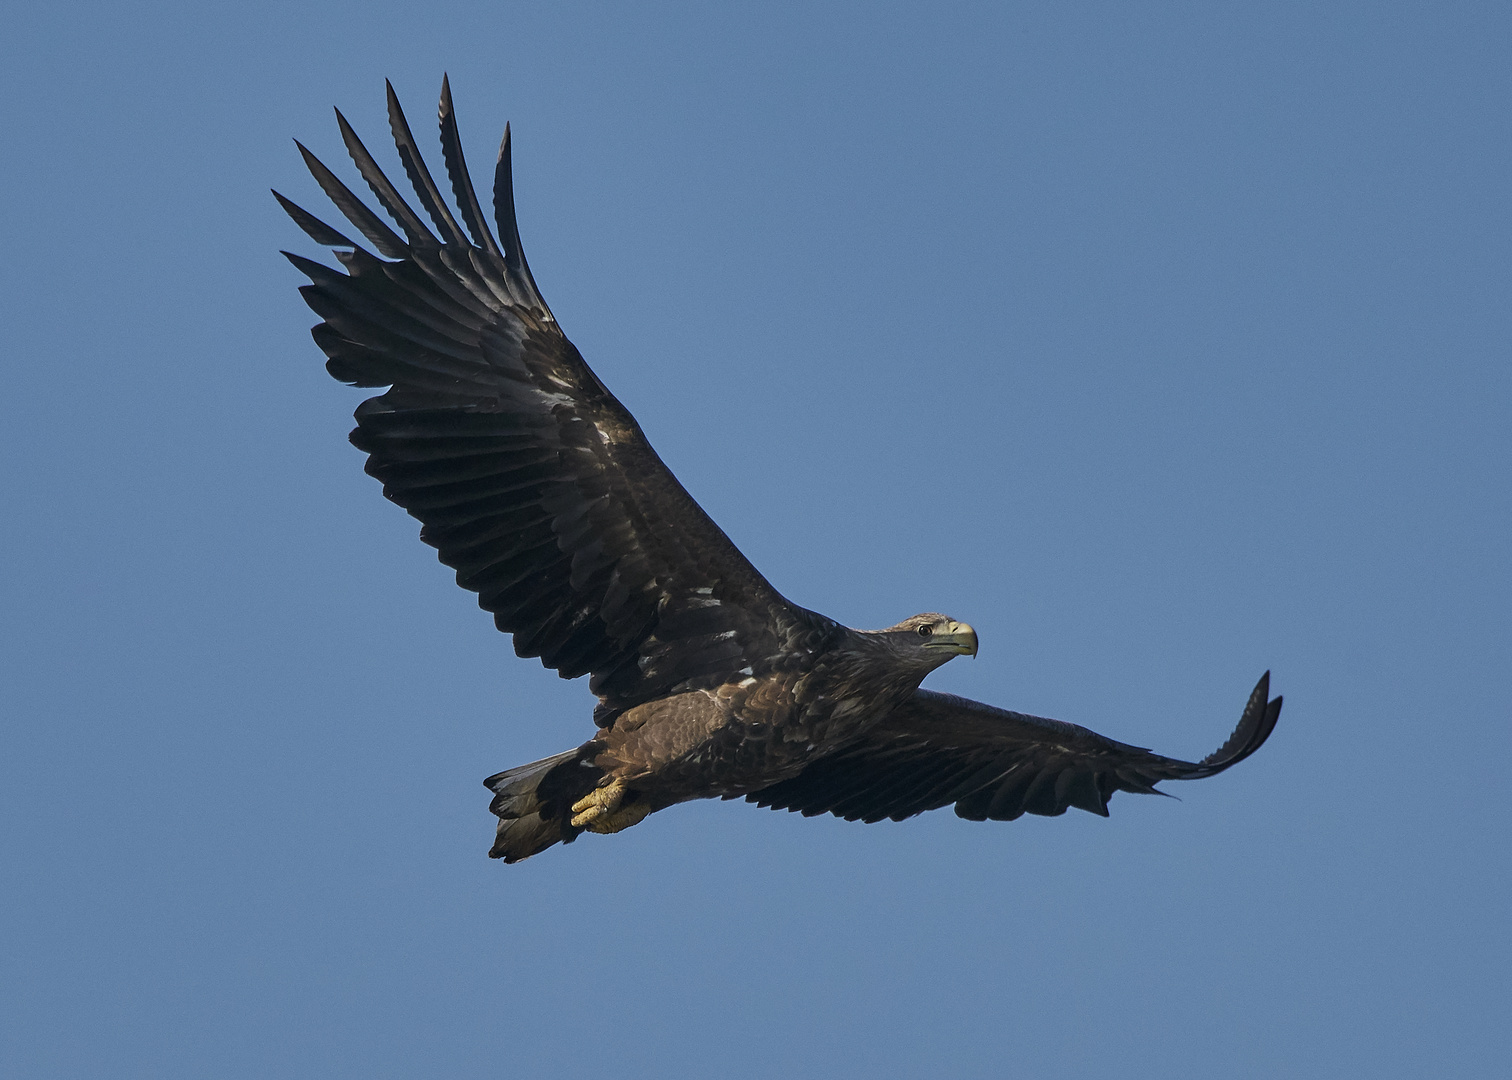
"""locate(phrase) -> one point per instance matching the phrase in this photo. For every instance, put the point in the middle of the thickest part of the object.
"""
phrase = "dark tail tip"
(533, 802)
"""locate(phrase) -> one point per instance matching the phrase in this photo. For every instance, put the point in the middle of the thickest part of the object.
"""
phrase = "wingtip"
(395, 110)
(348, 132)
(1272, 714)
(1254, 728)
(392, 98)
(313, 227)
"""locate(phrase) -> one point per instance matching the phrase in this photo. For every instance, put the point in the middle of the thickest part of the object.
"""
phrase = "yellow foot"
(603, 810)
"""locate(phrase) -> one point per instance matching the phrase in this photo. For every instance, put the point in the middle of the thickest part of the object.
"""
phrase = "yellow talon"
(597, 803)
(622, 818)
(601, 810)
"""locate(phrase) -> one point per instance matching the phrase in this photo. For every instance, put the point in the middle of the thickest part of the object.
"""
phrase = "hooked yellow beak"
(955, 637)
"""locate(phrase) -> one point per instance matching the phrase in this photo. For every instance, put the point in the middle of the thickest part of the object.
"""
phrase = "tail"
(534, 802)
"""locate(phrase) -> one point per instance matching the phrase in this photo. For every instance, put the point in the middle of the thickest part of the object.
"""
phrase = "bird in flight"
(539, 489)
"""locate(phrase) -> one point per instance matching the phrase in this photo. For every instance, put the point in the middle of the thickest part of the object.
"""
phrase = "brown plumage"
(537, 486)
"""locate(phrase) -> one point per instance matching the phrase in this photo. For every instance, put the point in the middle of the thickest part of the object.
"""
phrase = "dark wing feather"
(419, 176)
(461, 181)
(380, 235)
(530, 479)
(994, 764)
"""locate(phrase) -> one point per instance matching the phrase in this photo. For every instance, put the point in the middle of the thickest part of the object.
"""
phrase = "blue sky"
(1164, 343)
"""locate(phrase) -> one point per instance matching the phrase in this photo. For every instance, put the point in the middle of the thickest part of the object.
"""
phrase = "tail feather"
(534, 802)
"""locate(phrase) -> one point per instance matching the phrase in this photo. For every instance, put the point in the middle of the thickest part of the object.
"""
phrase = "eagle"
(540, 490)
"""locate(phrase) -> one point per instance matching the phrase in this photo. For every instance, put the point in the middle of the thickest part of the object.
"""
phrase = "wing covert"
(994, 764)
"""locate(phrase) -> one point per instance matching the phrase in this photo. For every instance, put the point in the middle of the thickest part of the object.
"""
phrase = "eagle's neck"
(874, 661)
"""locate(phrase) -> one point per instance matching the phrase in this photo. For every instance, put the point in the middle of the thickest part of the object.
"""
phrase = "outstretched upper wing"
(938, 749)
(530, 479)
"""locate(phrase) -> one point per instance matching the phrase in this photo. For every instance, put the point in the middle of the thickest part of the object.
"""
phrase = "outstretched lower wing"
(531, 480)
(994, 764)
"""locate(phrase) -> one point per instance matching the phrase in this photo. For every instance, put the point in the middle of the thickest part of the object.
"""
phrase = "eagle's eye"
(925, 631)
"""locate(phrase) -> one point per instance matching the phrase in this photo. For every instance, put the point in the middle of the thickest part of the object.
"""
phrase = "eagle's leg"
(604, 810)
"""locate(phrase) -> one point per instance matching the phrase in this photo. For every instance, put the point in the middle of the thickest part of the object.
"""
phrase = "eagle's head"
(931, 639)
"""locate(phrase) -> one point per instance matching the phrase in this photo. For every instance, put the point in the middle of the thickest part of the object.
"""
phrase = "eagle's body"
(538, 487)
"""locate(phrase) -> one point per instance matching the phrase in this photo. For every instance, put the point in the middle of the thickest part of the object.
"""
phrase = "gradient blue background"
(1165, 343)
